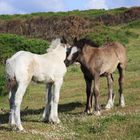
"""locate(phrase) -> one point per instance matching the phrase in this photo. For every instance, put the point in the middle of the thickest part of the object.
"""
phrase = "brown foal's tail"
(112, 77)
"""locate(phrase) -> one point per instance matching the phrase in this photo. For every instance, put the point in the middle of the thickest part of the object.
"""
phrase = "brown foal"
(96, 62)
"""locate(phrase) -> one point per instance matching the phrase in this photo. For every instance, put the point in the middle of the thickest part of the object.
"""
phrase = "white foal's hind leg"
(54, 101)
(11, 103)
(48, 97)
(121, 81)
(110, 94)
(18, 99)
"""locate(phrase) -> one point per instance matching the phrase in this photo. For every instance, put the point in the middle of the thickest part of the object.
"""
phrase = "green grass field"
(116, 124)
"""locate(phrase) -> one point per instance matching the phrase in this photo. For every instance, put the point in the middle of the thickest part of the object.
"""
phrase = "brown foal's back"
(104, 59)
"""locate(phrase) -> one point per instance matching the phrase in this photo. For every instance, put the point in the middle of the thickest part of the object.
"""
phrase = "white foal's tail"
(10, 75)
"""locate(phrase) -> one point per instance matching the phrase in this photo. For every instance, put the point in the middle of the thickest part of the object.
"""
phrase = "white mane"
(56, 42)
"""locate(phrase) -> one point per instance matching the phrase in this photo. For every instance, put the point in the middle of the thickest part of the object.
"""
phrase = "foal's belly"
(108, 68)
(42, 79)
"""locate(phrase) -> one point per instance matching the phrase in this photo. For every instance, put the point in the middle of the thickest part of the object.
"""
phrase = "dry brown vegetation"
(49, 27)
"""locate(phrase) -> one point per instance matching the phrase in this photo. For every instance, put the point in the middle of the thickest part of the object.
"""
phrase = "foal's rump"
(17, 67)
(110, 56)
(120, 52)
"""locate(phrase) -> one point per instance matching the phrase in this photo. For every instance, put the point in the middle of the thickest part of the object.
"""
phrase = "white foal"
(49, 68)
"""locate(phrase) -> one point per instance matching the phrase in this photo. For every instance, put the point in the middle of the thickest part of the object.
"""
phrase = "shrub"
(104, 33)
(9, 44)
(133, 24)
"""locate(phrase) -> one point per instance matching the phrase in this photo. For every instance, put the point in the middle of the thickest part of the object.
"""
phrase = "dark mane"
(88, 42)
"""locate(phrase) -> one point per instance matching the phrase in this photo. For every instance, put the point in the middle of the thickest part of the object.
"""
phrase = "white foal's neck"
(58, 48)
(54, 44)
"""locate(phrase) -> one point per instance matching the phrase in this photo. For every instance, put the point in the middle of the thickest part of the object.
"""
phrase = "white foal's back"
(42, 68)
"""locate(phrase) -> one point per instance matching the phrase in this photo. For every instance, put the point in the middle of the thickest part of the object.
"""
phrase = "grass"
(118, 123)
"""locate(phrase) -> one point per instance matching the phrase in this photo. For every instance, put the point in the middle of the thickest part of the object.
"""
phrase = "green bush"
(10, 44)
(104, 34)
(133, 24)
(3, 88)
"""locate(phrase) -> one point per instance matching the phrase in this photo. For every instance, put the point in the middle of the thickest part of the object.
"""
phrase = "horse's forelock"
(87, 41)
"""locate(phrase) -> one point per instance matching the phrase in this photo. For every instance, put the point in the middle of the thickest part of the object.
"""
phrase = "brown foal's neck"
(85, 55)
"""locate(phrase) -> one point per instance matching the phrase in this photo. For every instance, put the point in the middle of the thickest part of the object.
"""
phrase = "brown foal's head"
(74, 52)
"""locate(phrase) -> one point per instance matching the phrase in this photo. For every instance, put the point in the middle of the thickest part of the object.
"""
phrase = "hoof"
(122, 101)
(109, 104)
(20, 128)
(54, 121)
(122, 105)
(89, 111)
(97, 113)
(108, 107)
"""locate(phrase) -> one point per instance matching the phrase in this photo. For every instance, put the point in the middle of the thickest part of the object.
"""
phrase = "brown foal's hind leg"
(121, 80)
(88, 92)
(96, 94)
(110, 92)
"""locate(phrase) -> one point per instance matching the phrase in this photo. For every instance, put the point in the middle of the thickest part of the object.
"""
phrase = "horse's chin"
(67, 63)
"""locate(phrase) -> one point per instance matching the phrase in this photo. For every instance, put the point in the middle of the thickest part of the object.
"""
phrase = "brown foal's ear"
(75, 40)
(63, 40)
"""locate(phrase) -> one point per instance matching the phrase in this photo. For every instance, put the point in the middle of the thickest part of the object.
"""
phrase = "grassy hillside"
(69, 24)
(118, 123)
(86, 13)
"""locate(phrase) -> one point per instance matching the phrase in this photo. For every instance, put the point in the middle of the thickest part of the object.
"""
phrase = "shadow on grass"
(4, 118)
(5, 128)
(62, 108)
(69, 106)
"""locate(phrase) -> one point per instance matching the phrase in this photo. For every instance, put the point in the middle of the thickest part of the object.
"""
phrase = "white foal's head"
(58, 43)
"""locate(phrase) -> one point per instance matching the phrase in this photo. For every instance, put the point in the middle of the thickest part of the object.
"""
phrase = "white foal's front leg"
(18, 99)
(48, 97)
(53, 117)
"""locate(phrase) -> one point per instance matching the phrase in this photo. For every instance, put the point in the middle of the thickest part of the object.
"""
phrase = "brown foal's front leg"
(96, 94)
(111, 96)
(89, 96)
